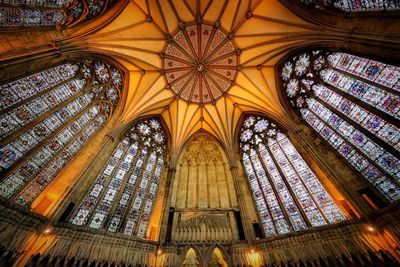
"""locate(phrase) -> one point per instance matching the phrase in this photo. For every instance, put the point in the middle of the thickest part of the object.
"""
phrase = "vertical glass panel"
(36, 13)
(287, 193)
(355, 5)
(121, 198)
(353, 103)
(46, 118)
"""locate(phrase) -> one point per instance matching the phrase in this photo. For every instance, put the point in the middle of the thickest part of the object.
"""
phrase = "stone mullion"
(137, 185)
(31, 124)
(271, 182)
(42, 143)
(362, 130)
(26, 100)
(266, 199)
(383, 87)
(359, 101)
(365, 131)
(247, 227)
(145, 198)
(101, 195)
(122, 188)
(17, 193)
(90, 185)
(356, 149)
(46, 8)
(301, 140)
(305, 186)
(303, 214)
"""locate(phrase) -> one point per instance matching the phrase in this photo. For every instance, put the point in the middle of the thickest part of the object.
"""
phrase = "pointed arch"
(288, 195)
(190, 251)
(122, 197)
(48, 116)
(221, 254)
(352, 102)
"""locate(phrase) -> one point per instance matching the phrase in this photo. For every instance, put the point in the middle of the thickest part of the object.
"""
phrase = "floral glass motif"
(288, 195)
(122, 196)
(355, 5)
(47, 117)
(50, 12)
(354, 104)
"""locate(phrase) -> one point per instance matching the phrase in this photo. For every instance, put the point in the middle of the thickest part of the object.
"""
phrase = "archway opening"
(217, 259)
(191, 259)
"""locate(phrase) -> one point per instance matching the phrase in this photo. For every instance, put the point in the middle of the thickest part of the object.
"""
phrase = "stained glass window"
(355, 5)
(288, 195)
(49, 12)
(47, 117)
(122, 196)
(354, 104)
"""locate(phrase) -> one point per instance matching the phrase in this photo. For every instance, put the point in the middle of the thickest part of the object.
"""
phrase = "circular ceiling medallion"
(200, 63)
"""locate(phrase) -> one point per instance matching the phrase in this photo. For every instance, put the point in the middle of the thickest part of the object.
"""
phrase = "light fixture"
(370, 228)
(47, 230)
(159, 251)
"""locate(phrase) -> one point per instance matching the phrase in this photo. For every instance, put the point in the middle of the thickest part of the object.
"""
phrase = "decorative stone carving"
(204, 227)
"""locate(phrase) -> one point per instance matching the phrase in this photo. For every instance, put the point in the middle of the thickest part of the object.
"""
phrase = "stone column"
(166, 201)
(240, 183)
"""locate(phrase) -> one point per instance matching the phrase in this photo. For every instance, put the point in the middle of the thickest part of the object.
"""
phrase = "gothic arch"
(285, 127)
(362, 95)
(210, 252)
(69, 93)
(203, 132)
(196, 250)
(123, 195)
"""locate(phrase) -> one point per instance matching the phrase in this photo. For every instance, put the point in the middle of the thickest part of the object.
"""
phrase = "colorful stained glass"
(287, 193)
(49, 13)
(354, 104)
(45, 119)
(122, 196)
(355, 5)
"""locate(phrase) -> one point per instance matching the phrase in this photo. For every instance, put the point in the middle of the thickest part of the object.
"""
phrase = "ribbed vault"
(139, 35)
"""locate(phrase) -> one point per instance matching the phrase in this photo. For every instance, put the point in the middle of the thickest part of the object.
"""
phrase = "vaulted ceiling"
(261, 33)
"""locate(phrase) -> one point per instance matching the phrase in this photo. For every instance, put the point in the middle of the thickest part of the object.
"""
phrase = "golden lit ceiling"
(258, 34)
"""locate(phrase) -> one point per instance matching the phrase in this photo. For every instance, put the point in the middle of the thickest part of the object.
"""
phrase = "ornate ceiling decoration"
(200, 62)
(200, 81)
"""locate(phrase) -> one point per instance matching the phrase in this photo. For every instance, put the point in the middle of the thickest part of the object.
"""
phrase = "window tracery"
(287, 193)
(47, 117)
(354, 104)
(354, 5)
(122, 196)
(50, 12)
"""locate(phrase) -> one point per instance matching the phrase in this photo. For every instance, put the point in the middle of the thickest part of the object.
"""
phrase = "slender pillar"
(166, 201)
(239, 183)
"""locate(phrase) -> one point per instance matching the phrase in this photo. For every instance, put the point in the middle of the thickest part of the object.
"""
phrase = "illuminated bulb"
(159, 252)
(47, 231)
(370, 228)
(252, 251)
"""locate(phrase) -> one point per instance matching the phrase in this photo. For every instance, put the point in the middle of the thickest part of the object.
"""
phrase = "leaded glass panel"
(49, 13)
(122, 196)
(46, 118)
(355, 5)
(288, 195)
(353, 103)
